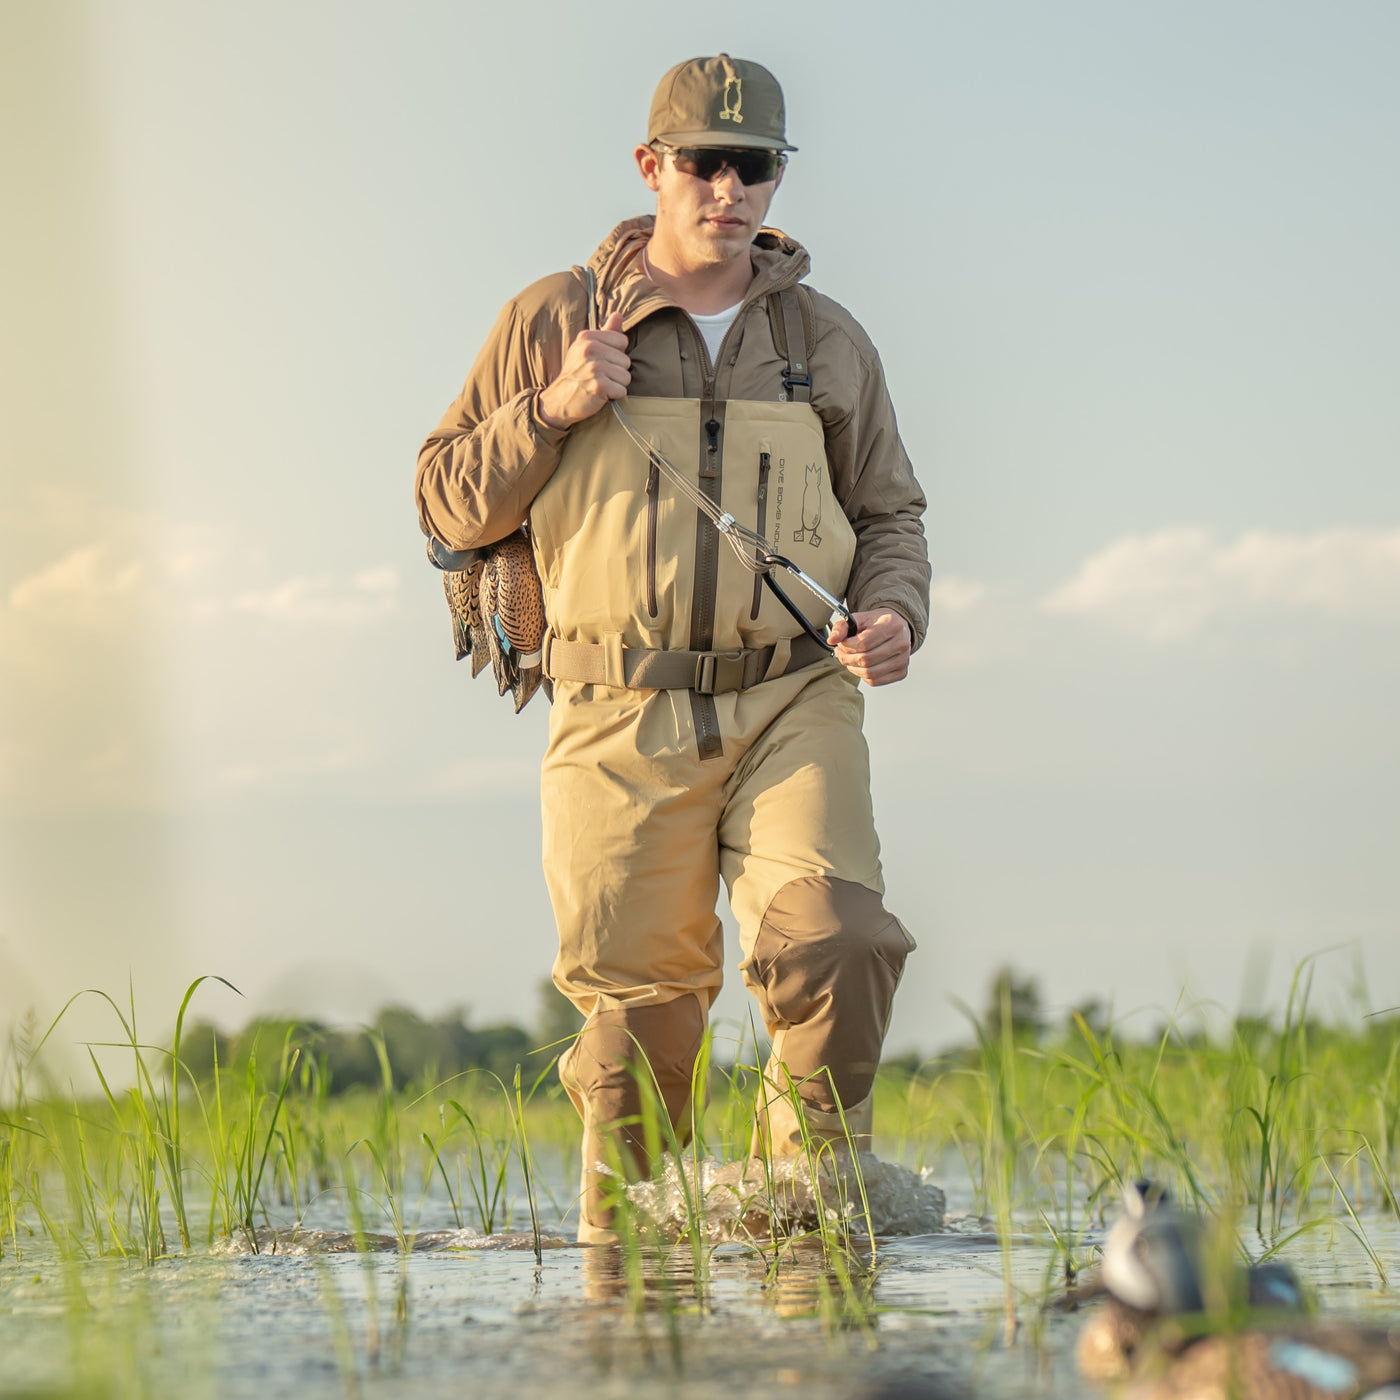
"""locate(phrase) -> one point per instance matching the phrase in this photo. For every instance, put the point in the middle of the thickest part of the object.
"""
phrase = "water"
(465, 1313)
(492, 1322)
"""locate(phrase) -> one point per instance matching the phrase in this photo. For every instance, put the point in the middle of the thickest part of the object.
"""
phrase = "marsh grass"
(170, 1163)
(1276, 1130)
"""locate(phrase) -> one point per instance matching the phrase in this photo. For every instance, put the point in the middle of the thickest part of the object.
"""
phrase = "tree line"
(399, 1046)
(404, 1048)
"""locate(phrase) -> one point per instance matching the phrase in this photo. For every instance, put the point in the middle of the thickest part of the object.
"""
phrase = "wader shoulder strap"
(791, 318)
(706, 672)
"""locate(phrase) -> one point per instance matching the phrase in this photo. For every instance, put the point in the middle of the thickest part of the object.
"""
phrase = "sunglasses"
(709, 162)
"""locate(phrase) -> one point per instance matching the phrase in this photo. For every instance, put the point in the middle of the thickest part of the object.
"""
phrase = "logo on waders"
(811, 507)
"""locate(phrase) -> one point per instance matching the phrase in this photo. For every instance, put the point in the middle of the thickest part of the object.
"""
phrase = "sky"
(1131, 273)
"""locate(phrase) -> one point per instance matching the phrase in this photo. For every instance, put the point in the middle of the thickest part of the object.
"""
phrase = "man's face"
(707, 221)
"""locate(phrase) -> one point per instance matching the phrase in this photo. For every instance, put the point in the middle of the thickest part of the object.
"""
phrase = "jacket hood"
(778, 262)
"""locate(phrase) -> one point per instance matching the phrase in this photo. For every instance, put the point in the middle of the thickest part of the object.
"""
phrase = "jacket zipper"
(653, 508)
(763, 465)
(711, 367)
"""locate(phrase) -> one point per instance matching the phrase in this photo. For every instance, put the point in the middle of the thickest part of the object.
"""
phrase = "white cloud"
(951, 594)
(130, 564)
(306, 598)
(344, 757)
(1350, 573)
(80, 587)
(1170, 584)
(381, 581)
(143, 562)
(500, 774)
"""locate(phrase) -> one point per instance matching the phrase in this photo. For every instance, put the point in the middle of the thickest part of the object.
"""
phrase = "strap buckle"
(717, 672)
(793, 381)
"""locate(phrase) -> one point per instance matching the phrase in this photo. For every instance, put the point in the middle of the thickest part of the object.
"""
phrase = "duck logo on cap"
(733, 93)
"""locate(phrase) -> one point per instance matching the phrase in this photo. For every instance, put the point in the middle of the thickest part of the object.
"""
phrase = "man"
(697, 731)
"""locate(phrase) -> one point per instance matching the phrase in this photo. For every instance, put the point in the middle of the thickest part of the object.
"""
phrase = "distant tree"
(556, 1018)
(906, 1065)
(1095, 1013)
(203, 1046)
(1253, 1031)
(1383, 1028)
(1018, 996)
(349, 1058)
(268, 1042)
(418, 1051)
(500, 1048)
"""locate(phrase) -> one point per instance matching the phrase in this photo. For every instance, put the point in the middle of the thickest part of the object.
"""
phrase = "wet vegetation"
(1277, 1128)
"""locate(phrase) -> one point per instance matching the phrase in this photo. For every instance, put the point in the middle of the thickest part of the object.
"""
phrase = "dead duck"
(1151, 1278)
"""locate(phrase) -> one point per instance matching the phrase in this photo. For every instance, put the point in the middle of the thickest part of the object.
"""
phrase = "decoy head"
(1151, 1255)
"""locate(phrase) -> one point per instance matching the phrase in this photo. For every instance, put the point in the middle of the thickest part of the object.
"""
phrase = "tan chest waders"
(639, 590)
(698, 733)
(496, 598)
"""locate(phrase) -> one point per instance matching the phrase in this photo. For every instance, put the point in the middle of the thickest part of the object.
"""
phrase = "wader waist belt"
(705, 672)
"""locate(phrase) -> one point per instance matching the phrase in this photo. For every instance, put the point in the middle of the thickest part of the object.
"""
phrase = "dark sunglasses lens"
(756, 167)
(752, 167)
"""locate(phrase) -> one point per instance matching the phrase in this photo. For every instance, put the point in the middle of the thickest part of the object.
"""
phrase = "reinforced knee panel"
(825, 963)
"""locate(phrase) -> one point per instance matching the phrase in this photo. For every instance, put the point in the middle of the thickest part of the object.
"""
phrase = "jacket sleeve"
(490, 455)
(882, 500)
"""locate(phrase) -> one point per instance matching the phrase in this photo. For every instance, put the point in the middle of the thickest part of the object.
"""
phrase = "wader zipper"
(763, 465)
(708, 741)
(653, 507)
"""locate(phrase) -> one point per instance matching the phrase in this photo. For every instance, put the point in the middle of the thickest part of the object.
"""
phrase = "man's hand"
(879, 652)
(596, 368)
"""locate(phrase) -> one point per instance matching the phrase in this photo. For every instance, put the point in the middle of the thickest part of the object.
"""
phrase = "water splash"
(752, 1200)
(294, 1240)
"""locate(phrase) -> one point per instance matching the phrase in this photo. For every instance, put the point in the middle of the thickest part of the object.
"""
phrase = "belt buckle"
(705, 673)
(719, 670)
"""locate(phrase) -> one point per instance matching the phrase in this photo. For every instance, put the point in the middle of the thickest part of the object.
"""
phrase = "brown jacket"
(483, 465)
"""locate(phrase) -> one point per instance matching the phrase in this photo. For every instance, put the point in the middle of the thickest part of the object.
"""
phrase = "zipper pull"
(710, 466)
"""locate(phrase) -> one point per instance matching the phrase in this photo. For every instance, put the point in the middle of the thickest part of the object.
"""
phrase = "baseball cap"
(719, 101)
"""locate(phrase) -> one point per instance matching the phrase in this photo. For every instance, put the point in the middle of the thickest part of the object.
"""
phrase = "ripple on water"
(293, 1240)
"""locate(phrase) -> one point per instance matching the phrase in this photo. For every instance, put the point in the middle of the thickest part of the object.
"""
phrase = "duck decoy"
(1151, 1277)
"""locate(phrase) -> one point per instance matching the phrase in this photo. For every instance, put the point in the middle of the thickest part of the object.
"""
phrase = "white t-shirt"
(714, 327)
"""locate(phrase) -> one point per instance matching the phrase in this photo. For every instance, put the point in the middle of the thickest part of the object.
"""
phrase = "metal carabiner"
(838, 609)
